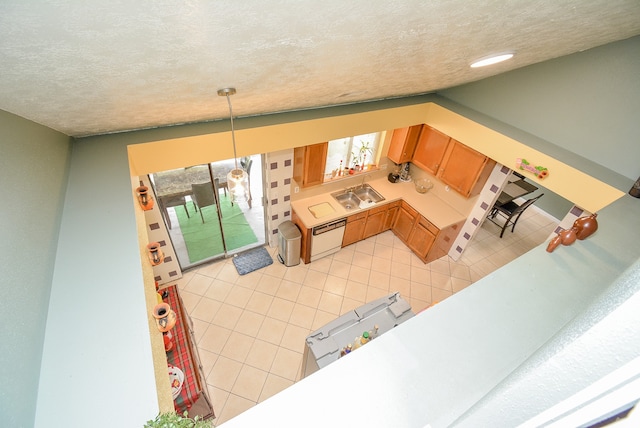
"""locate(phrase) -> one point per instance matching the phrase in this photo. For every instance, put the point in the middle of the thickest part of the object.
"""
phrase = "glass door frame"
(253, 215)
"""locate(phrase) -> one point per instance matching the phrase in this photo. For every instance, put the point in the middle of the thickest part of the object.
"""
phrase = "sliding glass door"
(202, 220)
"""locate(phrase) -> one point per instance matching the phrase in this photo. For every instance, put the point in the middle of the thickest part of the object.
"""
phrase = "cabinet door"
(430, 149)
(305, 241)
(421, 239)
(403, 143)
(309, 164)
(390, 216)
(462, 167)
(354, 229)
(375, 221)
(404, 222)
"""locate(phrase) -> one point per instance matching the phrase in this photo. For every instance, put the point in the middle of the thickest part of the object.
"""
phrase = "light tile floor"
(251, 329)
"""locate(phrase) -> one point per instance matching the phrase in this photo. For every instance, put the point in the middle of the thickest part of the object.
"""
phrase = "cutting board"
(321, 210)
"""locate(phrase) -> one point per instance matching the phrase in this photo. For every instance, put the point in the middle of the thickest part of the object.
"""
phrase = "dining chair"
(511, 212)
(173, 201)
(203, 196)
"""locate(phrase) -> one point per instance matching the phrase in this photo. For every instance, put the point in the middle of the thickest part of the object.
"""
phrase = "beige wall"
(563, 179)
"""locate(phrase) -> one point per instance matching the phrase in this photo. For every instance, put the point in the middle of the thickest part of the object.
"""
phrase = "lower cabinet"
(416, 231)
(375, 221)
(371, 222)
(354, 229)
(305, 242)
(390, 215)
(421, 236)
(405, 221)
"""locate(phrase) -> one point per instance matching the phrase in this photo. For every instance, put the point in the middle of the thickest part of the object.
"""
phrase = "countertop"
(435, 209)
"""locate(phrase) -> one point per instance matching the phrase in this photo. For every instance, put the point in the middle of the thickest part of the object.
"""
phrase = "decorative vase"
(155, 253)
(145, 201)
(568, 236)
(553, 244)
(586, 226)
(165, 317)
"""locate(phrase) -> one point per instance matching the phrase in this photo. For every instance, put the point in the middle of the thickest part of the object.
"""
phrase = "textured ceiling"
(91, 67)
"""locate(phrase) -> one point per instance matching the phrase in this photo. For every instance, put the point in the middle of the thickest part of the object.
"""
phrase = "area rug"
(205, 240)
(252, 260)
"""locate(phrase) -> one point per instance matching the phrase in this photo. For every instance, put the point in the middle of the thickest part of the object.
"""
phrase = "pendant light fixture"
(237, 178)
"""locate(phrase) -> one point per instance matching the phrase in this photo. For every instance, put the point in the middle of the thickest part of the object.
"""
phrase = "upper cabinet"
(430, 149)
(465, 169)
(309, 164)
(462, 168)
(403, 143)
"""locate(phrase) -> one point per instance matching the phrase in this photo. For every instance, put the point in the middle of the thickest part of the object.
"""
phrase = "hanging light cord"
(233, 135)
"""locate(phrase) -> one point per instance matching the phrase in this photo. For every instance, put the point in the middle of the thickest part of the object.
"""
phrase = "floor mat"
(252, 260)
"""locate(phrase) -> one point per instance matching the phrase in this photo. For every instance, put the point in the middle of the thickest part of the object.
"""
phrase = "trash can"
(289, 239)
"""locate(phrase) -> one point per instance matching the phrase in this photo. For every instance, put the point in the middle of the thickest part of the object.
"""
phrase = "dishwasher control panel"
(327, 227)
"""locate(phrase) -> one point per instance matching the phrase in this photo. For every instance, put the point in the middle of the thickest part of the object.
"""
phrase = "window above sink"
(358, 154)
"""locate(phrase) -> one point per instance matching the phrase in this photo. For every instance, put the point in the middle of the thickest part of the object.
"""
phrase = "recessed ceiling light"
(493, 59)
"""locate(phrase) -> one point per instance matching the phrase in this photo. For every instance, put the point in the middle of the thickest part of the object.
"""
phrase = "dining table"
(172, 187)
(514, 190)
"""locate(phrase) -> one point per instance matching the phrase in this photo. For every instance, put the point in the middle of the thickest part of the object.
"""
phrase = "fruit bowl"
(423, 185)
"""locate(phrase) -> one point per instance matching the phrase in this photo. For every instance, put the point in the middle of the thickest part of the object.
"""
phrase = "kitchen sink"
(367, 194)
(348, 200)
(351, 198)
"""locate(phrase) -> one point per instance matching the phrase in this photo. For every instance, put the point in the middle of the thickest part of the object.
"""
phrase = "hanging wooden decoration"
(539, 171)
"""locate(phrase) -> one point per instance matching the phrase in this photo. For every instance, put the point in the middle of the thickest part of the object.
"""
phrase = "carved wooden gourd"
(582, 229)
(586, 226)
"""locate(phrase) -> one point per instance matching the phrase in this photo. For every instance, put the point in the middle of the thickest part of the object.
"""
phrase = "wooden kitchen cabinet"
(405, 221)
(305, 241)
(444, 241)
(403, 143)
(422, 237)
(430, 149)
(390, 215)
(375, 221)
(309, 164)
(465, 169)
(354, 230)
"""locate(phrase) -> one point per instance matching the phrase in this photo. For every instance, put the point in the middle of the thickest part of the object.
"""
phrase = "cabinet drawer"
(409, 209)
(429, 226)
(377, 210)
(358, 216)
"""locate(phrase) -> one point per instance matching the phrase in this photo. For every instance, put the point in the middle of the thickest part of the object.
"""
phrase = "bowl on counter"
(423, 185)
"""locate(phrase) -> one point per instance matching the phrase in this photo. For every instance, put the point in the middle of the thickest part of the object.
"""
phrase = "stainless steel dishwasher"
(327, 238)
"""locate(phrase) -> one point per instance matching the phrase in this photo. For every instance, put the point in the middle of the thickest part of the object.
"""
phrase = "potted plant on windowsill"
(359, 159)
(174, 420)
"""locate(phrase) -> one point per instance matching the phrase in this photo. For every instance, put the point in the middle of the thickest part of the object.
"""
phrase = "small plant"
(359, 157)
(174, 420)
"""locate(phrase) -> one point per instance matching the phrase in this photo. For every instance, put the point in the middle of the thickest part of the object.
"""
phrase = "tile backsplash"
(278, 187)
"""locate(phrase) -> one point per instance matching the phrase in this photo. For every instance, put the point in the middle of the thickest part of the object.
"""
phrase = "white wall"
(33, 174)
(96, 362)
